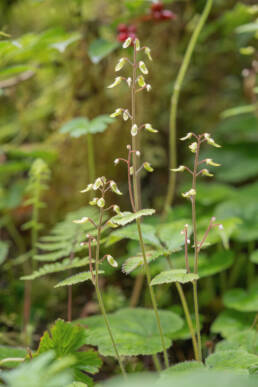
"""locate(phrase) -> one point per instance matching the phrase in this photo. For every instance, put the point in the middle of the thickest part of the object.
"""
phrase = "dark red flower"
(122, 28)
(167, 15)
(122, 36)
(156, 7)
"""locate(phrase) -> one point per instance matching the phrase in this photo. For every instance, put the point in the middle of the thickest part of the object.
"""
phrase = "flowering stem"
(174, 104)
(137, 207)
(196, 249)
(99, 296)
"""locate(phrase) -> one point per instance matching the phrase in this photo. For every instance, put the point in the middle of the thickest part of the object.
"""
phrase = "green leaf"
(11, 352)
(131, 232)
(40, 372)
(76, 279)
(77, 384)
(254, 257)
(135, 331)
(232, 359)
(170, 234)
(4, 248)
(12, 71)
(182, 368)
(77, 127)
(238, 110)
(179, 275)
(62, 46)
(246, 340)
(101, 48)
(65, 339)
(217, 263)
(133, 263)
(128, 217)
(241, 300)
(231, 321)
(66, 264)
(213, 193)
(100, 124)
(247, 28)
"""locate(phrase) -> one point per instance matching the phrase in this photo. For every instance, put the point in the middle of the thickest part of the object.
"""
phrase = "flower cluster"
(125, 32)
(195, 148)
(159, 13)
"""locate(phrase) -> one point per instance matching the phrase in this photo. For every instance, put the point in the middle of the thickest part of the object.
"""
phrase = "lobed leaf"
(128, 217)
(169, 276)
(76, 279)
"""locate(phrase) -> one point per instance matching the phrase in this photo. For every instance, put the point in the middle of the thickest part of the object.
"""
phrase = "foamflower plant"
(137, 83)
(191, 195)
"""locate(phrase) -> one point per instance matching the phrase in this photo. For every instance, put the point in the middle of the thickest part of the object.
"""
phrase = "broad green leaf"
(131, 232)
(238, 129)
(212, 193)
(238, 110)
(232, 359)
(184, 367)
(100, 124)
(184, 333)
(128, 217)
(133, 263)
(62, 46)
(170, 234)
(41, 372)
(11, 352)
(135, 331)
(4, 248)
(101, 48)
(241, 300)
(66, 264)
(76, 279)
(230, 322)
(246, 340)
(169, 276)
(254, 257)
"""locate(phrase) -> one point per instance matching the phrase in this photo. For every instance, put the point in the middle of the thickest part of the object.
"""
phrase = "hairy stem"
(196, 249)
(184, 303)
(137, 207)
(99, 296)
(174, 104)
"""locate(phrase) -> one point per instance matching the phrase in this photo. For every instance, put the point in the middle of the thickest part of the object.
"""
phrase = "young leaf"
(232, 359)
(128, 217)
(169, 276)
(76, 279)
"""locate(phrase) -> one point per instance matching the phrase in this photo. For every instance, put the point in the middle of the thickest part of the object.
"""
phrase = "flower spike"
(189, 194)
(179, 169)
(120, 64)
(116, 113)
(212, 163)
(187, 137)
(143, 67)
(205, 172)
(210, 140)
(193, 147)
(150, 129)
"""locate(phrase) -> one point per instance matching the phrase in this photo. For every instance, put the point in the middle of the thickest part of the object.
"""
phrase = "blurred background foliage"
(57, 58)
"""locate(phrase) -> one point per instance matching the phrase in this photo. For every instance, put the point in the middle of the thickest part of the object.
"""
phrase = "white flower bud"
(116, 161)
(179, 169)
(137, 44)
(141, 81)
(147, 167)
(138, 153)
(120, 64)
(131, 171)
(188, 241)
(125, 115)
(213, 219)
(127, 43)
(205, 172)
(112, 261)
(134, 130)
(193, 147)
(150, 129)
(116, 209)
(147, 51)
(88, 188)
(143, 67)
(189, 194)
(187, 137)
(93, 202)
(129, 81)
(114, 188)
(221, 227)
(210, 140)
(116, 82)
(98, 183)
(116, 113)
(81, 221)
(148, 87)
(101, 203)
(211, 162)
(128, 147)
